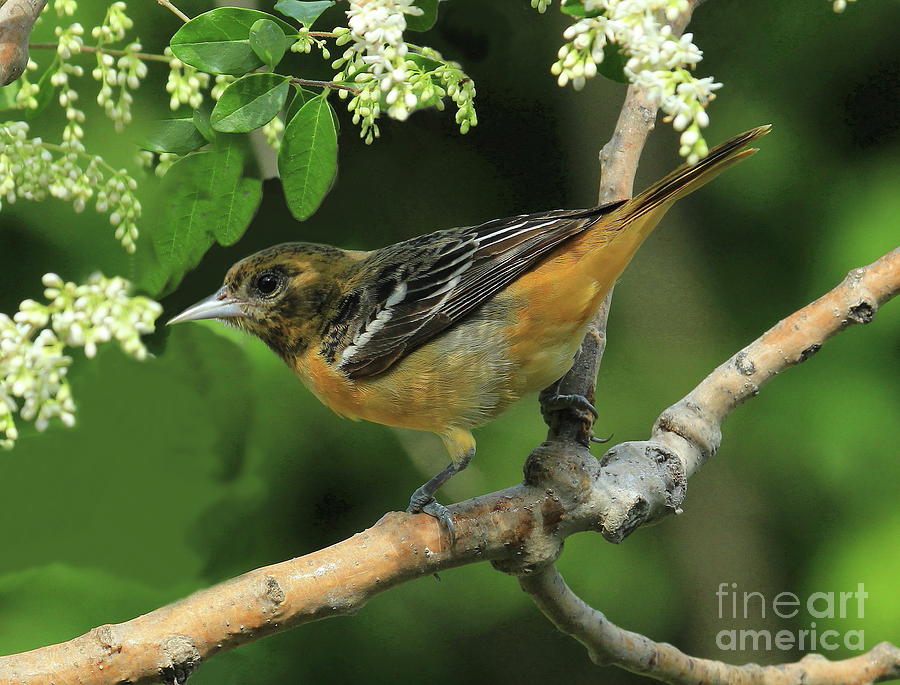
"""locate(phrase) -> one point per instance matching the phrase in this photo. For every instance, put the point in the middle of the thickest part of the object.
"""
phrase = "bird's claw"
(422, 504)
(579, 404)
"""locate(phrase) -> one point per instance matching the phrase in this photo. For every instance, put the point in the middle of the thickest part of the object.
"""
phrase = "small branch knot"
(644, 482)
(863, 312)
(183, 659)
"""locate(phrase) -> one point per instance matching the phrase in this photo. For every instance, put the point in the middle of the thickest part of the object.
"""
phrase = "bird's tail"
(626, 227)
(603, 251)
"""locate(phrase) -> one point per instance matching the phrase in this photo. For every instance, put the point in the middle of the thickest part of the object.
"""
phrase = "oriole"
(444, 331)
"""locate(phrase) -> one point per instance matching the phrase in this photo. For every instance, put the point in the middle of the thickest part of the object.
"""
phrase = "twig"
(608, 644)
(691, 427)
(148, 57)
(174, 10)
(16, 20)
(324, 84)
(520, 529)
(618, 166)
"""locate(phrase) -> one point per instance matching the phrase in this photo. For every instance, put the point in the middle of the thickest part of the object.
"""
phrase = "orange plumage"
(443, 332)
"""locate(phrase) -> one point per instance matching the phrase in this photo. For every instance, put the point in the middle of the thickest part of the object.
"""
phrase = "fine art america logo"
(755, 606)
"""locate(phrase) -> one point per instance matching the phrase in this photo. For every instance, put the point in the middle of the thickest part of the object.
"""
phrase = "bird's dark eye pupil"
(267, 283)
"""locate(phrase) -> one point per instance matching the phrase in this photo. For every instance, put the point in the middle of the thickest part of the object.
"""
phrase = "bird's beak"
(219, 305)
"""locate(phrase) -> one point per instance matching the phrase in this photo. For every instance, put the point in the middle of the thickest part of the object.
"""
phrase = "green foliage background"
(211, 459)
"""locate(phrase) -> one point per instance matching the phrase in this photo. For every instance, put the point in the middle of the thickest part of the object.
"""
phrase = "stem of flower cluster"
(324, 84)
(147, 57)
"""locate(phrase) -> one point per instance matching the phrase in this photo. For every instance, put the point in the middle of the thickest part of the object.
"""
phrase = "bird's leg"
(552, 402)
(422, 500)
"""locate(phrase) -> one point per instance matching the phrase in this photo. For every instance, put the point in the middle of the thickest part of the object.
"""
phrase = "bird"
(444, 331)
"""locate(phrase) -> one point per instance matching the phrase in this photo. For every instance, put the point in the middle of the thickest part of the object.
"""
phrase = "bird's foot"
(423, 503)
(577, 404)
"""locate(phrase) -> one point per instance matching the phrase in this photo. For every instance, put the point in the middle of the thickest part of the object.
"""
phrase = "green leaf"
(178, 136)
(268, 41)
(8, 96)
(204, 197)
(301, 97)
(426, 64)
(250, 102)
(426, 20)
(307, 161)
(613, 64)
(201, 121)
(304, 12)
(218, 41)
(575, 8)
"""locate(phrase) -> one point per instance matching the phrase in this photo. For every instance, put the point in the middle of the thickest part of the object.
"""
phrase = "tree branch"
(618, 166)
(16, 19)
(608, 644)
(520, 529)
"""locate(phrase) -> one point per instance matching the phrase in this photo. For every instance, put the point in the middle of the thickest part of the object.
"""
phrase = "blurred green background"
(211, 459)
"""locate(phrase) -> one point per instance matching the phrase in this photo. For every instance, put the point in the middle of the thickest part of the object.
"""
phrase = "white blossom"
(32, 169)
(272, 132)
(186, 84)
(378, 63)
(657, 60)
(306, 42)
(840, 5)
(122, 74)
(33, 365)
(114, 26)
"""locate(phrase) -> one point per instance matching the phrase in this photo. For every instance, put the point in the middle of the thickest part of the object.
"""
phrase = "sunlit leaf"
(268, 41)
(218, 41)
(250, 102)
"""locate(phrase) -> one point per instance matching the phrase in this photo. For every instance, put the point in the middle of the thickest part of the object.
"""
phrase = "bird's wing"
(416, 289)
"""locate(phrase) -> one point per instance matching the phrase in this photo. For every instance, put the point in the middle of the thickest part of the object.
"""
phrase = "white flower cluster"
(65, 8)
(124, 73)
(31, 169)
(32, 364)
(273, 132)
(222, 82)
(185, 84)
(306, 42)
(840, 5)
(69, 43)
(376, 58)
(378, 62)
(114, 26)
(26, 97)
(540, 5)
(657, 60)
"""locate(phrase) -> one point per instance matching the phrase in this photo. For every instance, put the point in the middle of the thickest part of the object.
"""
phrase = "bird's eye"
(267, 283)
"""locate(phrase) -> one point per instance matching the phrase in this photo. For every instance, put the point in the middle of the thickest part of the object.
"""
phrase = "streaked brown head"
(283, 294)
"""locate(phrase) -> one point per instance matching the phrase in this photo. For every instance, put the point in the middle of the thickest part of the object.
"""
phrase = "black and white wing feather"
(418, 288)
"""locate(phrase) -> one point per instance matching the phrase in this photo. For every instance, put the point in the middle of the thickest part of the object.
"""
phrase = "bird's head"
(282, 294)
